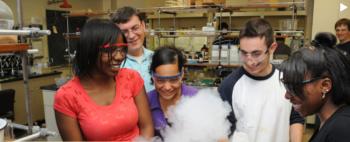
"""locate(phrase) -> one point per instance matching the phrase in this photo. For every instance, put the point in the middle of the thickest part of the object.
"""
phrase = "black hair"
(258, 27)
(123, 15)
(325, 39)
(343, 21)
(223, 25)
(167, 55)
(94, 34)
(319, 60)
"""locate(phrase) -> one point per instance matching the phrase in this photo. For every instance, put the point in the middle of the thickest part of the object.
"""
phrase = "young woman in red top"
(102, 101)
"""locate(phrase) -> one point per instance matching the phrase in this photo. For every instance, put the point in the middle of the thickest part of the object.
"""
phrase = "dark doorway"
(57, 44)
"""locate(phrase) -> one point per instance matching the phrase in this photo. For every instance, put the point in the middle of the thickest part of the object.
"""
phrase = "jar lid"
(3, 124)
(5, 11)
(6, 16)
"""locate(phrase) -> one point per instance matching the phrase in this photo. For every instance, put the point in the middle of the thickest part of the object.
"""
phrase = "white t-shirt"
(261, 110)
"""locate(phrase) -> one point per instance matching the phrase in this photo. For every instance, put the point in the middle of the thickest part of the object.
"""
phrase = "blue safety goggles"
(178, 75)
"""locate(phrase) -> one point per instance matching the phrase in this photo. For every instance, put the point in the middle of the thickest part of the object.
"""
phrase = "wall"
(235, 2)
(133, 3)
(139, 3)
(326, 13)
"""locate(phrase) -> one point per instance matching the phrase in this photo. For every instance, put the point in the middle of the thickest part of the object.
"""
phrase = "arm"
(145, 118)
(68, 127)
(296, 128)
(296, 131)
(225, 90)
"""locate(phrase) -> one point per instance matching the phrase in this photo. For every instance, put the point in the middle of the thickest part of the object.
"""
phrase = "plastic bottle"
(214, 54)
(224, 54)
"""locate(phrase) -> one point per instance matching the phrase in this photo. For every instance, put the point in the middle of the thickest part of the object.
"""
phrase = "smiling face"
(167, 81)
(111, 57)
(311, 99)
(254, 53)
(343, 33)
(134, 31)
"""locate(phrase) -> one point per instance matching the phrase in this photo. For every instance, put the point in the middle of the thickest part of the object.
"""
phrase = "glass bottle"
(205, 53)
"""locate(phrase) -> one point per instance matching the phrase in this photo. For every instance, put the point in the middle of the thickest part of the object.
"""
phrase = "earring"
(324, 94)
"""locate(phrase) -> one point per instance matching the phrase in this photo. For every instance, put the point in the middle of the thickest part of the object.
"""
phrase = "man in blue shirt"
(132, 24)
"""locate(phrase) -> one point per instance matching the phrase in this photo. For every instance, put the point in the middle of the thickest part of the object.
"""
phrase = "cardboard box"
(5, 39)
(198, 2)
(217, 2)
(262, 1)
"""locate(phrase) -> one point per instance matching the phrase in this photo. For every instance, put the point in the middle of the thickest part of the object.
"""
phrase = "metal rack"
(174, 12)
(68, 35)
(218, 12)
(37, 132)
(22, 49)
(215, 11)
(223, 11)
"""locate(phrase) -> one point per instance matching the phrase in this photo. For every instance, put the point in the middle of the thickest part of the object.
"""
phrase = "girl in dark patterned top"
(317, 82)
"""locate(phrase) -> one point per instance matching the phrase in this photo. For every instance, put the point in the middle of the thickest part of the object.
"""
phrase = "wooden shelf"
(227, 14)
(260, 13)
(16, 47)
(180, 9)
(88, 14)
(72, 37)
(180, 15)
(198, 33)
(75, 35)
(236, 7)
(212, 65)
(182, 33)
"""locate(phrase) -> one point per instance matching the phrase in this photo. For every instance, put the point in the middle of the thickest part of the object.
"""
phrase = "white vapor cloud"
(200, 118)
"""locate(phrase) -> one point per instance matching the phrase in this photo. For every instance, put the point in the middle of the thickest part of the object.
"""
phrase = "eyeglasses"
(296, 89)
(161, 80)
(255, 54)
(121, 48)
(135, 29)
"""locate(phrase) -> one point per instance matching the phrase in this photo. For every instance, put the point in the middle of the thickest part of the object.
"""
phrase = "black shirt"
(336, 128)
(345, 48)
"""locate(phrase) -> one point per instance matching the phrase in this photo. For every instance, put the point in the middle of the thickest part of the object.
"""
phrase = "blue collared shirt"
(143, 68)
